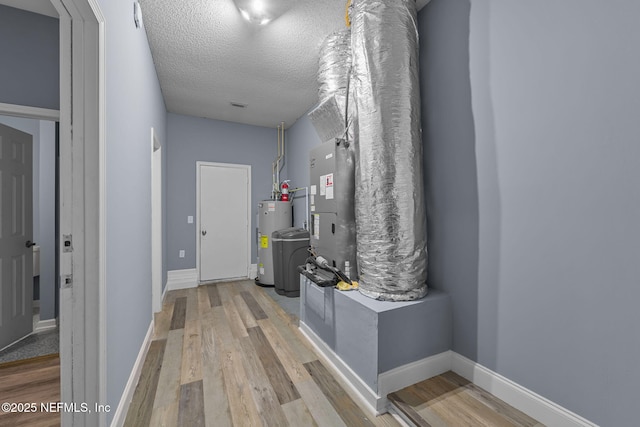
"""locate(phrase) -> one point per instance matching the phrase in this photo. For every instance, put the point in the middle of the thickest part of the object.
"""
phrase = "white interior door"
(16, 233)
(223, 220)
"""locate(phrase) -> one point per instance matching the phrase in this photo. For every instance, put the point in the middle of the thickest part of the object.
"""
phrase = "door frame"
(156, 223)
(199, 165)
(82, 209)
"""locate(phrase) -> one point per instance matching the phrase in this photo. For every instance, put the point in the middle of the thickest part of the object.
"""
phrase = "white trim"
(253, 271)
(156, 222)
(125, 400)
(388, 382)
(411, 373)
(199, 164)
(357, 388)
(45, 325)
(166, 289)
(102, 221)
(82, 208)
(29, 112)
(521, 398)
(181, 279)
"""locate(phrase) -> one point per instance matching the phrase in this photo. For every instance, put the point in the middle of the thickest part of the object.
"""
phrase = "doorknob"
(204, 232)
(29, 243)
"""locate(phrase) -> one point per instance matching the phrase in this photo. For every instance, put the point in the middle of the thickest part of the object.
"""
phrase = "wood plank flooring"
(450, 400)
(36, 381)
(226, 354)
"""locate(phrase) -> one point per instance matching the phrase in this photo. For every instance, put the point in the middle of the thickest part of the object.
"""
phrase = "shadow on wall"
(450, 166)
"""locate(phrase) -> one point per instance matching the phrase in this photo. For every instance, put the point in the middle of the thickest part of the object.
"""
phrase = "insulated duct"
(390, 211)
(330, 116)
(333, 65)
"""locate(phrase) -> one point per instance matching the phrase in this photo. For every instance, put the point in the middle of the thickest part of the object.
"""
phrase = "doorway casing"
(82, 209)
(156, 223)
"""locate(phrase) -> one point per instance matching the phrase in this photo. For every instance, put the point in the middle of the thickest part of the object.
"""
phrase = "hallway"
(227, 354)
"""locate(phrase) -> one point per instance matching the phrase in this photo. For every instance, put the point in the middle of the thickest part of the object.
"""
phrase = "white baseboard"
(358, 389)
(388, 382)
(45, 325)
(253, 271)
(411, 373)
(523, 399)
(182, 279)
(125, 400)
(164, 294)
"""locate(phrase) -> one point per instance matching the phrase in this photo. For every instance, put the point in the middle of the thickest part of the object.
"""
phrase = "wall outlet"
(190, 219)
(181, 254)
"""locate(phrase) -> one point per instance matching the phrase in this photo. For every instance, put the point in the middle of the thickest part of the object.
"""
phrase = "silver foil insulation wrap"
(334, 65)
(390, 209)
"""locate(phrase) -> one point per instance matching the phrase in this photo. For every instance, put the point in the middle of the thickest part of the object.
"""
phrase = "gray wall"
(44, 175)
(192, 139)
(134, 104)
(29, 52)
(450, 163)
(300, 138)
(549, 298)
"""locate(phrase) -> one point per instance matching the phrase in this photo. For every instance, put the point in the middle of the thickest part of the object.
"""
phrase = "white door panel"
(16, 233)
(224, 227)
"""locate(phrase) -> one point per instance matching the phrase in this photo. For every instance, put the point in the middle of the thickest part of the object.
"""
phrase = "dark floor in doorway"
(37, 344)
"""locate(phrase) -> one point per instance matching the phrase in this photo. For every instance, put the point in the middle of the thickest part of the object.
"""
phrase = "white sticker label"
(313, 199)
(328, 156)
(316, 226)
(314, 190)
(323, 185)
(313, 208)
(271, 207)
(329, 186)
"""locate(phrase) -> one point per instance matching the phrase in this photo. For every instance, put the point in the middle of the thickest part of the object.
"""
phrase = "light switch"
(181, 255)
(190, 219)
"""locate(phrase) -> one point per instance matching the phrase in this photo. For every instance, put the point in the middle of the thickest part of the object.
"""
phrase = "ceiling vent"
(238, 104)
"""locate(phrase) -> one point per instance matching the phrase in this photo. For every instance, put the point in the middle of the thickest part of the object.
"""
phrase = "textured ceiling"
(207, 56)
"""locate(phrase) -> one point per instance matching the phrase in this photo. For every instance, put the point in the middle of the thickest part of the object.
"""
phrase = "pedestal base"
(372, 338)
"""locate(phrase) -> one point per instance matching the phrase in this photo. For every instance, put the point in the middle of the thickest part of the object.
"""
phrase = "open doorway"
(40, 336)
(81, 207)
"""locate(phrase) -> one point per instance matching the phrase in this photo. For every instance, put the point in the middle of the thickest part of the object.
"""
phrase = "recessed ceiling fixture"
(262, 11)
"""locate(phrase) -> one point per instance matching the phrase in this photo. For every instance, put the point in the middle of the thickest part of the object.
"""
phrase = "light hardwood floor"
(227, 355)
(33, 381)
(450, 400)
